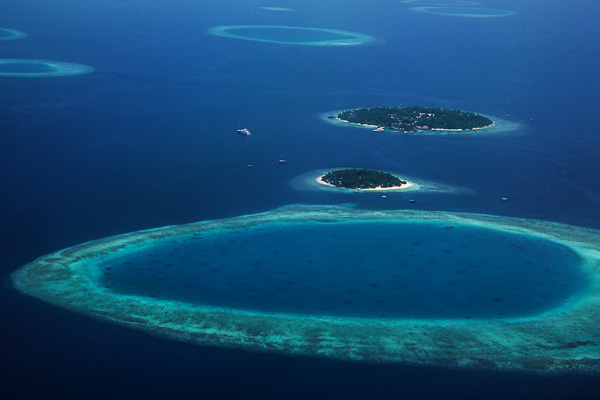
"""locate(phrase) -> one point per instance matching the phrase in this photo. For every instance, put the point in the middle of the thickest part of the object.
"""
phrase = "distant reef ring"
(442, 3)
(291, 35)
(40, 68)
(11, 34)
(563, 339)
(469, 12)
(276, 8)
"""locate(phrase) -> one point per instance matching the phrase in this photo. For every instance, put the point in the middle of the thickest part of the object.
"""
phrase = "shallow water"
(375, 270)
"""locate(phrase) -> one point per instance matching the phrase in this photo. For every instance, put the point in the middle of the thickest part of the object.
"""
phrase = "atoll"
(564, 339)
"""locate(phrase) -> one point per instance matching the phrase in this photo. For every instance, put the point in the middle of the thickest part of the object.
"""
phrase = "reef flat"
(564, 339)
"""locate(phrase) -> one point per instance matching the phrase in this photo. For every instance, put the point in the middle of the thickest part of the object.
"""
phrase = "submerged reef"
(26, 68)
(11, 34)
(291, 35)
(276, 8)
(440, 3)
(469, 12)
(564, 339)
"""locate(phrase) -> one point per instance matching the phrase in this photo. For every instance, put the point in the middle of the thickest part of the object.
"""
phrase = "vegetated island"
(363, 179)
(413, 119)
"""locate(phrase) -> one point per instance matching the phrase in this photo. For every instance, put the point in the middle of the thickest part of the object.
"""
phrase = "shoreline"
(418, 130)
(407, 185)
(354, 123)
(460, 130)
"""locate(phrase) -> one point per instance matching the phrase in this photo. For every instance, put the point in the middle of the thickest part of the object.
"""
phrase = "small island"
(413, 119)
(363, 179)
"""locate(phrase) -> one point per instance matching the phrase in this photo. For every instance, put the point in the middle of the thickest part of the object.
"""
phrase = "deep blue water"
(375, 270)
(148, 139)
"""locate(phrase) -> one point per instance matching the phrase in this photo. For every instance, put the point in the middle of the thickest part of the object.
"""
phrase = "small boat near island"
(244, 132)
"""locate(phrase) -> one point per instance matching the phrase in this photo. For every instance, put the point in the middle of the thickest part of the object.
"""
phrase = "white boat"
(244, 132)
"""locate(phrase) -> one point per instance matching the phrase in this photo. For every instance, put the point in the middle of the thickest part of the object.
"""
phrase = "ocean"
(148, 139)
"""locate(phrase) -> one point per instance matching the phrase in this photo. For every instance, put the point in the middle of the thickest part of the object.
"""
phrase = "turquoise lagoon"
(380, 269)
